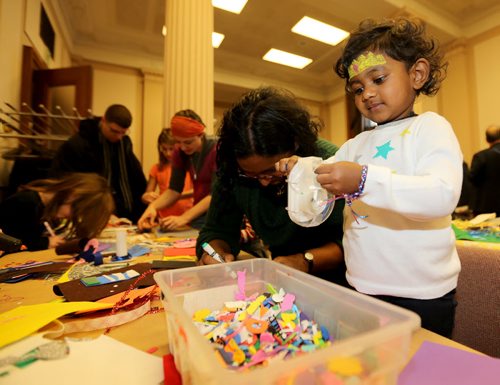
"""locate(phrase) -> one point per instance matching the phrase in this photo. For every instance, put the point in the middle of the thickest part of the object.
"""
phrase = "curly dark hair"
(266, 121)
(402, 39)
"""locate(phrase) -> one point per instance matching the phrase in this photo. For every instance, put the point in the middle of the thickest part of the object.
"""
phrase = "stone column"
(189, 59)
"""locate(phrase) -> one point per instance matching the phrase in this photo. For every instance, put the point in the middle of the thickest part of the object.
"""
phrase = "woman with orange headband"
(194, 154)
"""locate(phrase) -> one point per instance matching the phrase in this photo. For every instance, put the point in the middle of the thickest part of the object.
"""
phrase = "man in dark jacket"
(102, 146)
(485, 174)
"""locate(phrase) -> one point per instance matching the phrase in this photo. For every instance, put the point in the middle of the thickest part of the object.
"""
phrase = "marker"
(210, 251)
(49, 229)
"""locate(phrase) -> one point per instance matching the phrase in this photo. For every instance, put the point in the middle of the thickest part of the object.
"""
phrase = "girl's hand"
(340, 177)
(55, 241)
(149, 197)
(173, 222)
(285, 165)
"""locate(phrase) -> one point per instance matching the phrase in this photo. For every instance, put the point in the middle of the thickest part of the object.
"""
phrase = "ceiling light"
(217, 39)
(234, 6)
(318, 30)
(286, 58)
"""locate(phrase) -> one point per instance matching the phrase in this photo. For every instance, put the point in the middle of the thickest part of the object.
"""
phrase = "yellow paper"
(25, 320)
(180, 258)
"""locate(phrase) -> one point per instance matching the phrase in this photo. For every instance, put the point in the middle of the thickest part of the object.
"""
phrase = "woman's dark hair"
(266, 122)
(89, 196)
(402, 39)
(190, 114)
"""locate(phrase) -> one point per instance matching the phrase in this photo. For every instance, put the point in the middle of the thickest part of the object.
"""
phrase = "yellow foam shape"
(255, 304)
(345, 366)
(239, 356)
(288, 317)
(200, 315)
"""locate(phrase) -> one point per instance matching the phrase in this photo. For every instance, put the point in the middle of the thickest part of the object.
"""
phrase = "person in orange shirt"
(159, 176)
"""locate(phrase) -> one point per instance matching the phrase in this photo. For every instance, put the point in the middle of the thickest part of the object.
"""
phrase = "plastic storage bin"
(364, 330)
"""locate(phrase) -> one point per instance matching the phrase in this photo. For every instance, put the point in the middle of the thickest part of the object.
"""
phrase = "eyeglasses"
(266, 177)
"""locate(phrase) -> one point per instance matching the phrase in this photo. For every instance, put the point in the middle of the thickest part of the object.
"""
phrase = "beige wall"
(338, 125)
(11, 18)
(116, 85)
(455, 100)
(486, 57)
(19, 25)
(153, 118)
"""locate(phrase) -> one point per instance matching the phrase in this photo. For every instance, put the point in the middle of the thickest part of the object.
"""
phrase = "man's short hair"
(118, 114)
(492, 133)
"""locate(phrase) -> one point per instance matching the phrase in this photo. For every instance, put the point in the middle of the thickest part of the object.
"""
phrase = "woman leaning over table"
(78, 205)
(261, 128)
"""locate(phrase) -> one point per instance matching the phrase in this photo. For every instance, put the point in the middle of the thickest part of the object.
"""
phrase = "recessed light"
(217, 39)
(286, 58)
(234, 6)
(318, 30)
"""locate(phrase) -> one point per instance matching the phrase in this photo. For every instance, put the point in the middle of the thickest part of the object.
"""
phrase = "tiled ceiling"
(128, 32)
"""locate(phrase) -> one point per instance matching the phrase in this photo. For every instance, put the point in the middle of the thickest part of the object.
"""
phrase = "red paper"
(172, 376)
(178, 251)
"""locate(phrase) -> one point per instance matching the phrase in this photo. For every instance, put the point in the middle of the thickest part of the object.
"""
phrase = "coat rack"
(37, 132)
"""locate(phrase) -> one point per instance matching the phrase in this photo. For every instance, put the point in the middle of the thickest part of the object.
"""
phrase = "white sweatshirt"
(406, 246)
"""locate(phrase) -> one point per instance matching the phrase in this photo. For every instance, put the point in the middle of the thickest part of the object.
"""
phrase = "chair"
(477, 318)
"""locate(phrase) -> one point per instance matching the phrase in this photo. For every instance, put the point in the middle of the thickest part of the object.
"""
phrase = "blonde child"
(159, 176)
(402, 179)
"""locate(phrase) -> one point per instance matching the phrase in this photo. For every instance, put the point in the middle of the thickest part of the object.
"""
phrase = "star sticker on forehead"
(383, 150)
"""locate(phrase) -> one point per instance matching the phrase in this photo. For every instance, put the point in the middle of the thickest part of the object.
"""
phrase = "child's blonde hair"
(88, 195)
(165, 137)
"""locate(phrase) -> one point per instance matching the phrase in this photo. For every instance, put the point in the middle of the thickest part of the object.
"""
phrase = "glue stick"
(121, 242)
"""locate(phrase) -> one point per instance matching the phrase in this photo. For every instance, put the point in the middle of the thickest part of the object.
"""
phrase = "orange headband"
(185, 127)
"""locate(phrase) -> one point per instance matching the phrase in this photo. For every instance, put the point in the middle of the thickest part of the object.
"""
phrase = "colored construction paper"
(25, 320)
(171, 251)
(435, 364)
(185, 243)
(103, 360)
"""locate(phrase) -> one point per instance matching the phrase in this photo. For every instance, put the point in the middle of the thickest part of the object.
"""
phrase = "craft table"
(144, 333)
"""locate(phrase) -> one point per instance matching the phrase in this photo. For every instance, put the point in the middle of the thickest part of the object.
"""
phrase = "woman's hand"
(220, 247)
(297, 261)
(209, 260)
(148, 219)
(285, 165)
